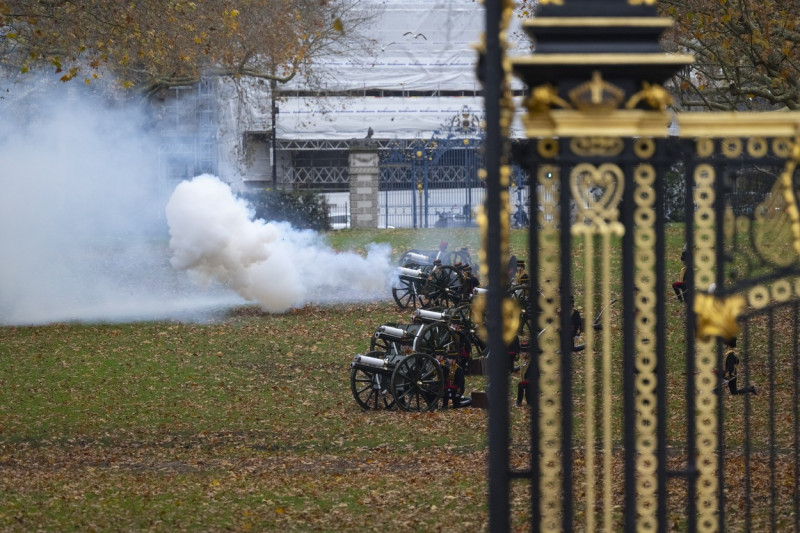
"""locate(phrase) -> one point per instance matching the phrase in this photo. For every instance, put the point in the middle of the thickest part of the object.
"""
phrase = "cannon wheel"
(445, 287)
(459, 257)
(418, 383)
(383, 346)
(371, 390)
(434, 338)
(405, 294)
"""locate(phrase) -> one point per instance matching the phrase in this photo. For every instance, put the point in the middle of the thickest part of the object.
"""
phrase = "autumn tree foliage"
(747, 52)
(151, 44)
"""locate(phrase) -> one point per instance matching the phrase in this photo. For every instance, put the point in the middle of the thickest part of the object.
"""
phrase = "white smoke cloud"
(82, 227)
(214, 237)
(84, 236)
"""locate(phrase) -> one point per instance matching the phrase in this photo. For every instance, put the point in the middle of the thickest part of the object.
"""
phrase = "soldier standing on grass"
(454, 383)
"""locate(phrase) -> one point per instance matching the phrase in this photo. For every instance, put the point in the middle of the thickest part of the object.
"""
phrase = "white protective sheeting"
(389, 118)
(419, 46)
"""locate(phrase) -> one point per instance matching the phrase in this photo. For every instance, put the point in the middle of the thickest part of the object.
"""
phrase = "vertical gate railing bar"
(565, 287)
(499, 508)
(690, 471)
(773, 438)
(426, 166)
(628, 355)
(748, 482)
(386, 207)
(720, 177)
(664, 150)
(796, 414)
(472, 156)
(721, 441)
(533, 390)
(413, 186)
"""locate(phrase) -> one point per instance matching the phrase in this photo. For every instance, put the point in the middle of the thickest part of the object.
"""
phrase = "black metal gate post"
(493, 77)
(598, 153)
(597, 123)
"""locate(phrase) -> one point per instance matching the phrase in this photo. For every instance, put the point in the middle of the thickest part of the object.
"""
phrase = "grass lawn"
(245, 423)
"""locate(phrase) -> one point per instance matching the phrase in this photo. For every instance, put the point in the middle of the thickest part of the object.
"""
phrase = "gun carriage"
(415, 257)
(402, 367)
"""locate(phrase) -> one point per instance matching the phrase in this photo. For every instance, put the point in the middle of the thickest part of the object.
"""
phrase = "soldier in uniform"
(680, 286)
(454, 379)
(732, 369)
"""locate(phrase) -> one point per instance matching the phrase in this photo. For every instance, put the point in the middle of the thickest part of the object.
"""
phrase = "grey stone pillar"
(363, 184)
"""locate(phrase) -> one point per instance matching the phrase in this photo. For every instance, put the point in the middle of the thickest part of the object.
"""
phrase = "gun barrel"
(392, 331)
(431, 315)
(411, 272)
(419, 258)
(369, 361)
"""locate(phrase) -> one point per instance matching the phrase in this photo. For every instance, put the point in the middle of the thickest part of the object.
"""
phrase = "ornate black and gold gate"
(639, 430)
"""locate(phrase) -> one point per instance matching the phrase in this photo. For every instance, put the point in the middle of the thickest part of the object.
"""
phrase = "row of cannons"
(421, 365)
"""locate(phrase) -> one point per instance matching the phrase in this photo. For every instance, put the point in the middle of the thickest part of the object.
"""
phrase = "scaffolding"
(187, 127)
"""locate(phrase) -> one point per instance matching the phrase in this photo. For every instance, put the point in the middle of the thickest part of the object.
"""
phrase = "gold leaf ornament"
(717, 316)
(511, 319)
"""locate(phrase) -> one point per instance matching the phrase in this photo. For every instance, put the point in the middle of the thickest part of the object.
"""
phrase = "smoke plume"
(82, 225)
(214, 238)
(84, 233)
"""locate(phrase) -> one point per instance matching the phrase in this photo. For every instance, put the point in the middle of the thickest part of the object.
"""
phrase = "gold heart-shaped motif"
(597, 191)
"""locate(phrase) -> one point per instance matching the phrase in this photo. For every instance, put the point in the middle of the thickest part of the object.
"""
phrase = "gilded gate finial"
(717, 316)
(654, 95)
(543, 97)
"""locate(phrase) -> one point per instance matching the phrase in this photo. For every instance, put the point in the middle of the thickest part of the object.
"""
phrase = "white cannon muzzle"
(411, 272)
(391, 331)
(430, 315)
(419, 258)
(479, 290)
(369, 361)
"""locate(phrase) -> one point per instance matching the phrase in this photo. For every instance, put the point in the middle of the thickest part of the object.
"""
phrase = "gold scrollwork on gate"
(705, 147)
(788, 194)
(645, 357)
(644, 148)
(705, 356)
(731, 147)
(782, 147)
(550, 504)
(773, 227)
(757, 147)
(547, 148)
(603, 146)
(777, 291)
(597, 192)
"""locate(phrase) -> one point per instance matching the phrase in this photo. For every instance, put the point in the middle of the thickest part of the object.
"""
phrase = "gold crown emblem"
(596, 94)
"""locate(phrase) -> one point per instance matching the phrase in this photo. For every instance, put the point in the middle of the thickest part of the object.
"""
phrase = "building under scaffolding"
(418, 88)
